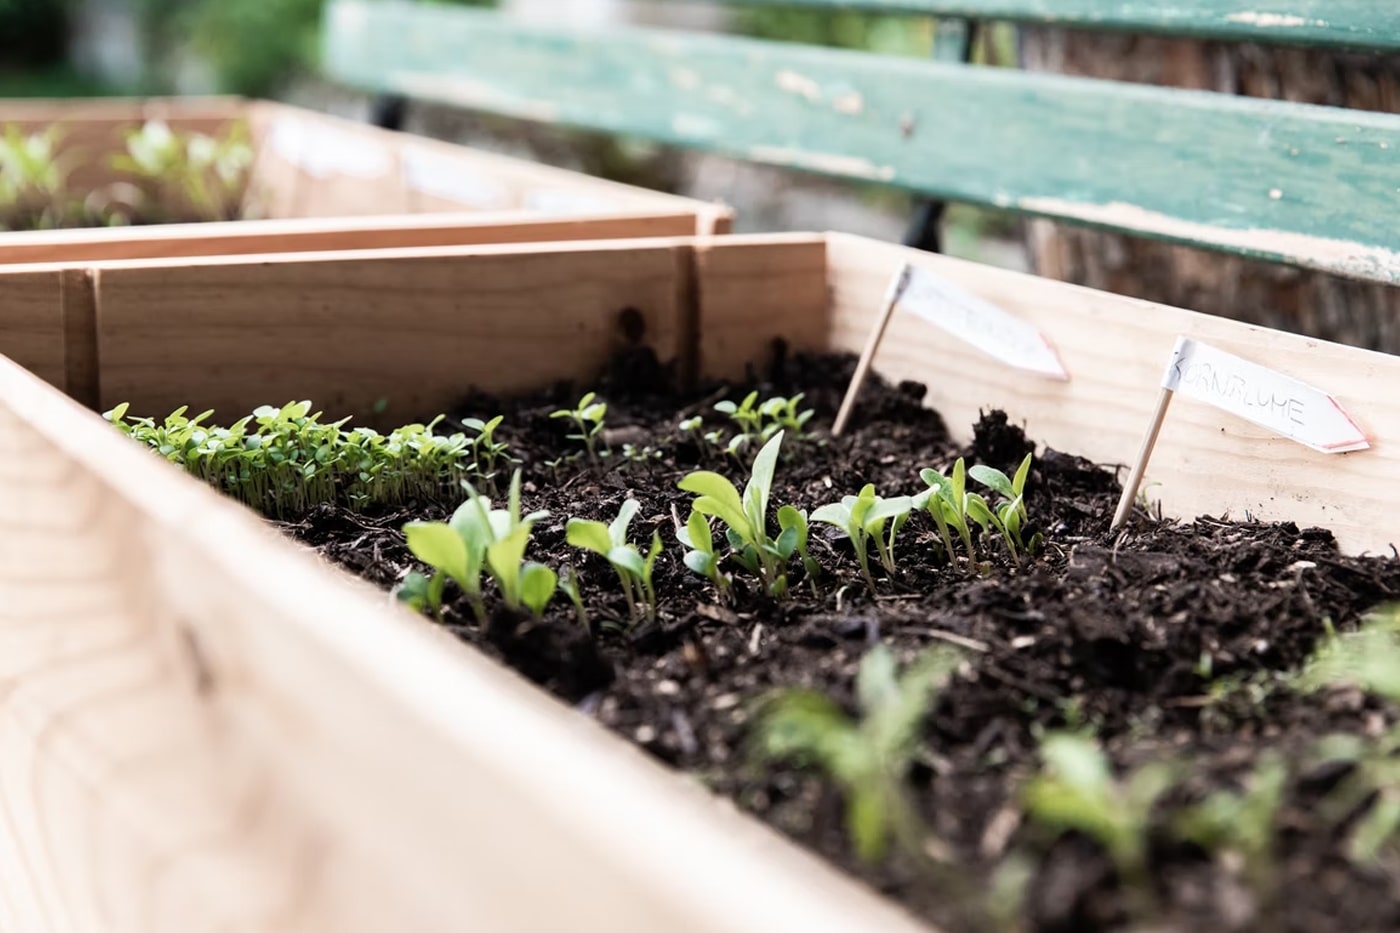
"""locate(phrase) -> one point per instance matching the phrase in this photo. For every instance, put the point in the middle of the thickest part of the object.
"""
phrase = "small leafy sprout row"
(864, 519)
(282, 461)
(708, 441)
(587, 417)
(479, 538)
(633, 568)
(207, 173)
(1010, 517)
(1241, 821)
(760, 421)
(31, 179)
(868, 758)
(746, 518)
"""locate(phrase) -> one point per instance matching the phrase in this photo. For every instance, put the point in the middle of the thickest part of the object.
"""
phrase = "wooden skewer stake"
(872, 345)
(1149, 441)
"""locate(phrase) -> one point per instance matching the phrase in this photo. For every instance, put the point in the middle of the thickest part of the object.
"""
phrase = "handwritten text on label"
(981, 324)
(1263, 396)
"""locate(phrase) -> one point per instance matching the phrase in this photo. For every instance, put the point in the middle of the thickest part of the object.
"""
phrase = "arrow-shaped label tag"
(1262, 396)
(976, 321)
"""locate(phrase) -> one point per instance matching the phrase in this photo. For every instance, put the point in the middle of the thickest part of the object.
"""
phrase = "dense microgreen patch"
(31, 180)
(867, 757)
(282, 461)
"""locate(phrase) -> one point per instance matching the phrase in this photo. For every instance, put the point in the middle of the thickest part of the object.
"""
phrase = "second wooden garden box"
(317, 182)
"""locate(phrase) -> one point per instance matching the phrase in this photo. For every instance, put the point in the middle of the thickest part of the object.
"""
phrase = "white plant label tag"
(451, 180)
(322, 152)
(978, 322)
(1262, 396)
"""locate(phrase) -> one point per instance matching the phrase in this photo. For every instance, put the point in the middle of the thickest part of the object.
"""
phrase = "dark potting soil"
(1171, 641)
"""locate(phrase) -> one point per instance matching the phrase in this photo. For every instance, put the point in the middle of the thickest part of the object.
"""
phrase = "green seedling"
(695, 535)
(488, 452)
(205, 172)
(31, 180)
(1241, 821)
(282, 461)
(746, 517)
(633, 568)
(587, 417)
(760, 421)
(571, 583)
(633, 453)
(951, 506)
(1077, 791)
(481, 539)
(1009, 518)
(794, 520)
(864, 519)
(868, 757)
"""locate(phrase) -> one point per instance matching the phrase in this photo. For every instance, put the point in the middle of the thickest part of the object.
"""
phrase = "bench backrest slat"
(1362, 24)
(1313, 186)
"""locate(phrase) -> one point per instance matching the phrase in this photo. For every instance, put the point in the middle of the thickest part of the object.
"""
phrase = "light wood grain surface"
(201, 728)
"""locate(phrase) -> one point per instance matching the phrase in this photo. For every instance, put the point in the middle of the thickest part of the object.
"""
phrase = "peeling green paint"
(1313, 186)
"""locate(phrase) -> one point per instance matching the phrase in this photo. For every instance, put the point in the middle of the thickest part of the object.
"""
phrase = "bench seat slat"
(1362, 24)
(1313, 186)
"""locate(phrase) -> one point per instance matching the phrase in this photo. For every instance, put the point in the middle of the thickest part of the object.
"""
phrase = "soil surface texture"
(1170, 642)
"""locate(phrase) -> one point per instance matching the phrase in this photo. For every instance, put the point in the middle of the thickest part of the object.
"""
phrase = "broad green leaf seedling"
(633, 568)
(1010, 517)
(587, 417)
(760, 421)
(869, 757)
(695, 535)
(864, 519)
(477, 539)
(746, 517)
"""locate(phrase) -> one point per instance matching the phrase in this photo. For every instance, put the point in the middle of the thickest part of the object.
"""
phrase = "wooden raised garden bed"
(204, 726)
(313, 182)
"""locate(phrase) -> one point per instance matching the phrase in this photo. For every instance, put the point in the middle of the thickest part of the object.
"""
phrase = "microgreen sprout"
(868, 758)
(571, 582)
(695, 535)
(864, 519)
(486, 450)
(633, 568)
(479, 538)
(760, 421)
(746, 517)
(792, 520)
(1077, 791)
(707, 441)
(951, 506)
(587, 417)
(1010, 517)
(282, 461)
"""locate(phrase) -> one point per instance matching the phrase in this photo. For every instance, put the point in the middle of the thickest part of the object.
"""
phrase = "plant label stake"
(973, 320)
(896, 288)
(1263, 396)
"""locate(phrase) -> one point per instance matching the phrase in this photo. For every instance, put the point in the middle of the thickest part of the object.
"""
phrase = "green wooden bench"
(1316, 187)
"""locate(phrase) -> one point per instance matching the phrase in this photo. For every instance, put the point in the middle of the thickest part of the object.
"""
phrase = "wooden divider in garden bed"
(201, 726)
(322, 183)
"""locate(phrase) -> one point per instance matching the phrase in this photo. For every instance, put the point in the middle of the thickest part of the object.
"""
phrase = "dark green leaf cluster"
(282, 461)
